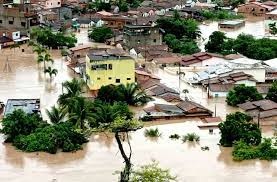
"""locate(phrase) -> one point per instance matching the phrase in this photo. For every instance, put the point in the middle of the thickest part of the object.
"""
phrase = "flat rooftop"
(29, 106)
(232, 22)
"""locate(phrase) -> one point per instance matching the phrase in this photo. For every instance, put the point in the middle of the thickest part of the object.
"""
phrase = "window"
(110, 66)
(261, 9)
(128, 78)
(155, 40)
(110, 78)
(10, 22)
(16, 34)
(99, 67)
(138, 41)
(98, 78)
(1, 21)
(23, 24)
(117, 80)
(78, 56)
(59, 3)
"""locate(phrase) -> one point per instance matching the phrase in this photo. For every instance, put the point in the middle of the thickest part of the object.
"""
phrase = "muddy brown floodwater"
(100, 157)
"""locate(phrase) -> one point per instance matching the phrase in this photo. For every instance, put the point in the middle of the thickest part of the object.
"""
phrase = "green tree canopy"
(238, 126)
(101, 34)
(241, 94)
(19, 123)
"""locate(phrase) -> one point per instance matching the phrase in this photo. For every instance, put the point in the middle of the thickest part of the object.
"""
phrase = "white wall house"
(52, 4)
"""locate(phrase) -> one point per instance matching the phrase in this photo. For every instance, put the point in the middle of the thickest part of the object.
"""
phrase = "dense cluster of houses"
(139, 49)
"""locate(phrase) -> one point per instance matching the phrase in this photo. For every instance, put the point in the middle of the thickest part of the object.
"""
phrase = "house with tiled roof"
(266, 110)
(255, 8)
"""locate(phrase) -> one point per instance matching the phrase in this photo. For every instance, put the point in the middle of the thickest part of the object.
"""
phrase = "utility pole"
(259, 114)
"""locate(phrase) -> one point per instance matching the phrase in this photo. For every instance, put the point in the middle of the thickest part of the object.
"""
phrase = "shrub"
(51, 138)
(152, 132)
(20, 123)
(264, 151)
(191, 137)
(174, 136)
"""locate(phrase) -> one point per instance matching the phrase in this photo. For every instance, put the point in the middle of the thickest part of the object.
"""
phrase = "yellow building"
(107, 67)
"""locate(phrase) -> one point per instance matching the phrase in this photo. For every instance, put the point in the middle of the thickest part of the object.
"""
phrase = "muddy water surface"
(100, 157)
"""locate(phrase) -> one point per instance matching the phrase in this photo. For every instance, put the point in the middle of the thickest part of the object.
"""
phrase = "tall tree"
(81, 114)
(122, 127)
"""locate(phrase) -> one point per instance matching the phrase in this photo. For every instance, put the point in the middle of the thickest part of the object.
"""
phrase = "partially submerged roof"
(29, 106)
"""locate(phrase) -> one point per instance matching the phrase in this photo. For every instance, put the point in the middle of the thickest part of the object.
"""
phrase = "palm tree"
(133, 95)
(39, 49)
(47, 58)
(51, 72)
(56, 115)
(81, 112)
(40, 59)
(73, 89)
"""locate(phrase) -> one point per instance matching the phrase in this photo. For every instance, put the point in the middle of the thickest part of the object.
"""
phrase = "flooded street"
(253, 25)
(100, 157)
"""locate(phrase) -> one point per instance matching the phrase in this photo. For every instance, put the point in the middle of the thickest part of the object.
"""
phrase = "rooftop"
(108, 54)
(29, 106)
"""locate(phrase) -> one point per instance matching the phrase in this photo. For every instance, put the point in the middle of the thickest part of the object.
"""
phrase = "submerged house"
(266, 110)
(183, 109)
(29, 106)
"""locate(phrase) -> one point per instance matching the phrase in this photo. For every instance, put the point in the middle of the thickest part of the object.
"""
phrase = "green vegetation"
(51, 71)
(180, 34)
(183, 46)
(100, 5)
(101, 34)
(260, 49)
(152, 173)
(241, 94)
(272, 92)
(264, 151)
(236, 3)
(191, 137)
(48, 38)
(30, 133)
(239, 126)
(273, 28)
(50, 139)
(123, 6)
(219, 15)
(130, 93)
(174, 136)
(152, 132)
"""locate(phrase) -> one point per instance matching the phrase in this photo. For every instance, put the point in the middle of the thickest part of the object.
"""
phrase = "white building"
(246, 65)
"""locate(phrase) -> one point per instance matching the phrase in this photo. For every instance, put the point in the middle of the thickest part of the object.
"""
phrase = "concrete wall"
(121, 69)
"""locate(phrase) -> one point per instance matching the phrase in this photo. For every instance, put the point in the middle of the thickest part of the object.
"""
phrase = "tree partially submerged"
(241, 94)
(239, 126)
(121, 128)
